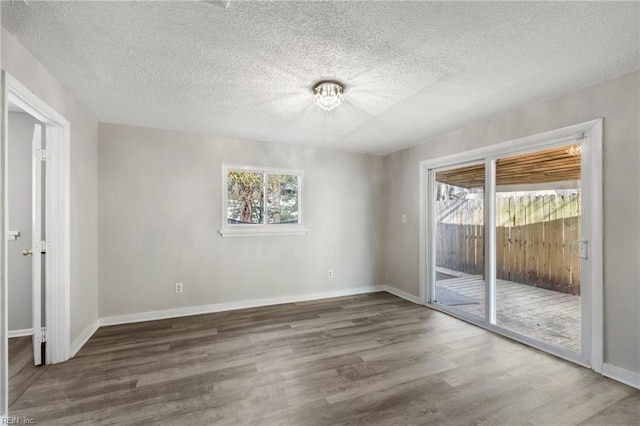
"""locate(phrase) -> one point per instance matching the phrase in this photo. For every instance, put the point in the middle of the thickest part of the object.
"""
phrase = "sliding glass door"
(505, 247)
(538, 210)
(459, 246)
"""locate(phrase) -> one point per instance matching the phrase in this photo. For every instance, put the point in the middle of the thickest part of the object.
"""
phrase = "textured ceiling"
(412, 70)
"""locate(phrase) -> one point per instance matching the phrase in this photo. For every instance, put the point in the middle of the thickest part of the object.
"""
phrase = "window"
(260, 201)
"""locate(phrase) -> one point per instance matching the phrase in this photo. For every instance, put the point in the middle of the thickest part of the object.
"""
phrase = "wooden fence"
(533, 235)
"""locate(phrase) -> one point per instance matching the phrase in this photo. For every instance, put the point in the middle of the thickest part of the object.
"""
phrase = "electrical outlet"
(179, 288)
(330, 273)
(403, 218)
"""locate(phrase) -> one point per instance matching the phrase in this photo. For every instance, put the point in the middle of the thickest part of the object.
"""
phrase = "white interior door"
(36, 257)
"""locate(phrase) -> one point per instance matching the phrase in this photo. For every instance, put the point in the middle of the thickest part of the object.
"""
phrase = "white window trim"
(261, 230)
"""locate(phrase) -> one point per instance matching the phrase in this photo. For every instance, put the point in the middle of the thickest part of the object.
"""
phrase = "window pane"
(538, 213)
(459, 204)
(245, 197)
(282, 199)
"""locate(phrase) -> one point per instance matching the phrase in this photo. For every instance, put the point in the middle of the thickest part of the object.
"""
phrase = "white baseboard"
(231, 306)
(20, 333)
(84, 337)
(403, 294)
(620, 374)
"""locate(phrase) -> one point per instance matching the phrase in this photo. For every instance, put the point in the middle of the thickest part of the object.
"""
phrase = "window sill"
(263, 231)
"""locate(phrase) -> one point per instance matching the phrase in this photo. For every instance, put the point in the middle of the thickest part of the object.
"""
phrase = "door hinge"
(42, 247)
(42, 155)
(42, 336)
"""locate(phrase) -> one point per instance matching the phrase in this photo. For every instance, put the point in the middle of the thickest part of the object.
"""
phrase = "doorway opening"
(26, 248)
(512, 240)
(35, 250)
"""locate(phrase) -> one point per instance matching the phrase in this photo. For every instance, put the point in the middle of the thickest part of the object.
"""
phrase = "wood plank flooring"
(22, 372)
(371, 359)
(546, 315)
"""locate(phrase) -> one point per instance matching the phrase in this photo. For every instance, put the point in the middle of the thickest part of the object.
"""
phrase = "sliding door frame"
(431, 213)
(590, 134)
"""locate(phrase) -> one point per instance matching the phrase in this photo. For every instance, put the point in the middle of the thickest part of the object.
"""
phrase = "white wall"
(617, 101)
(19, 197)
(160, 213)
(84, 269)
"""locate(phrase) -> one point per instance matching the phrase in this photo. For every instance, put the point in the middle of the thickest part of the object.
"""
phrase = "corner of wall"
(25, 68)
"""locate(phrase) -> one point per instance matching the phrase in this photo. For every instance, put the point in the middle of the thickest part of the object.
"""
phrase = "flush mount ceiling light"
(328, 94)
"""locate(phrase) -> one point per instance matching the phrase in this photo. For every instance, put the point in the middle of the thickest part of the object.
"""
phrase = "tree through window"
(262, 197)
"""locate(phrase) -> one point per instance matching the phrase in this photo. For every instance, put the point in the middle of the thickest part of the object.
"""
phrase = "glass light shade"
(328, 94)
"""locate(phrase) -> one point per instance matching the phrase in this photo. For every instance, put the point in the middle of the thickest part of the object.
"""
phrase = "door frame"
(592, 297)
(36, 237)
(57, 222)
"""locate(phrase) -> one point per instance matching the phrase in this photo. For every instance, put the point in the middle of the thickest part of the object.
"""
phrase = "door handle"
(579, 249)
(27, 252)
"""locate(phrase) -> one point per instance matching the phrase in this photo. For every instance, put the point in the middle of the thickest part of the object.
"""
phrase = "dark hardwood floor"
(369, 359)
